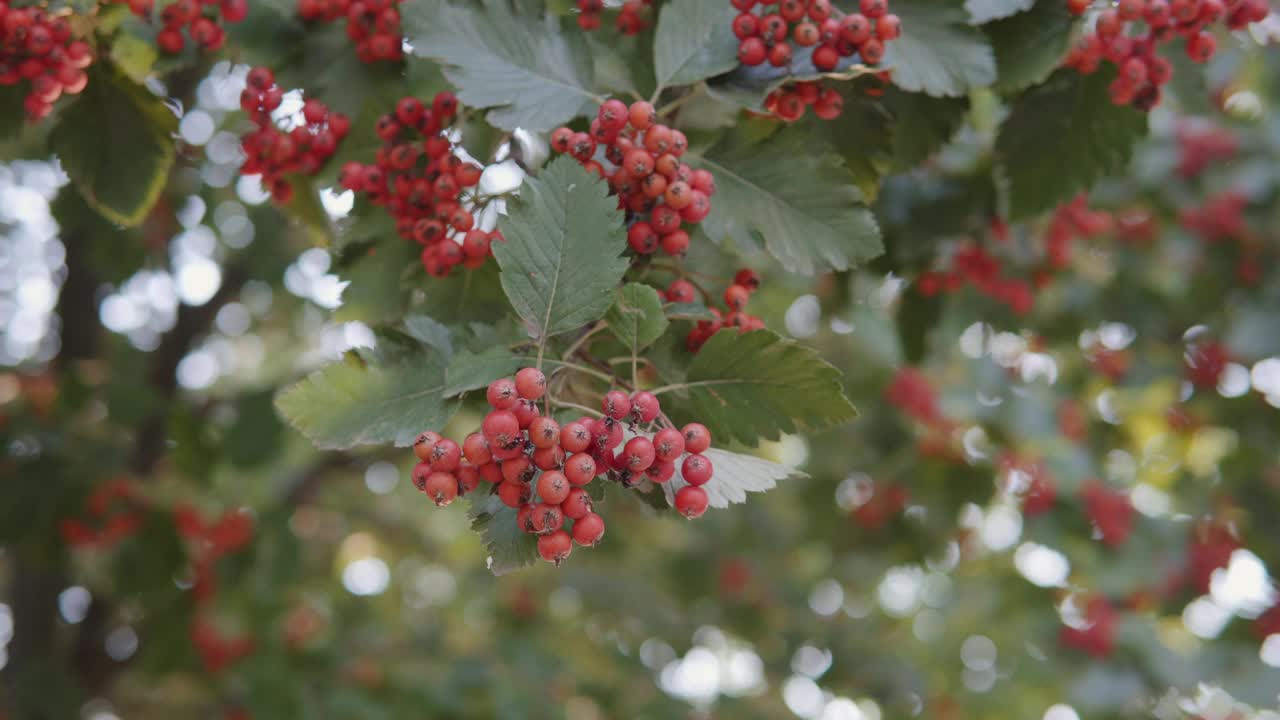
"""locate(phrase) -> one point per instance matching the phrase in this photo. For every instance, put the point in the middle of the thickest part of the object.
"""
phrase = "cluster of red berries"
(658, 191)
(1220, 217)
(218, 652)
(788, 103)
(1069, 222)
(745, 282)
(1206, 361)
(210, 541)
(1209, 549)
(1036, 487)
(767, 35)
(542, 469)
(913, 393)
(1201, 144)
(201, 18)
(38, 48)
(1142, 72)
(1096, 632)
(633, 18)
(1110, 511)
(887, 501)
(115, 511)
(972, 264)
(373, 25)
(418, 177)
(274, 153)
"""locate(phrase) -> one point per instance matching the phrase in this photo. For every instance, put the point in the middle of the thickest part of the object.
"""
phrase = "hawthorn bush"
(326, 322)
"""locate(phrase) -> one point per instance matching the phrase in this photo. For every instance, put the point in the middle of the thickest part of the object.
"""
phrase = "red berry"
(445, 455)
(645, 406)
(502, 394)
(423, 443)
(889, 27)
(1202, 46)
(660, 471)
(580, 468)
(575, 437)
(751, 51)
(613, 114)
(531, 383)
(780, 55)
(576, 504)
(691, 501)
(736, 296)
(549, 458)
(746, 25)
(441, 487)
(681, 291)
(518, 469)
(420, 473)
(675, 243)
(616, 404)
(553, 487)
(513, 495)
(555, 548)
(546, 518)
(668, 444)
(588, 530)
(696, 437)
(526, 411)
(501, 429)
(638, 454)
(696, 470)
(544, 432)
(641, 114)
(640, 236)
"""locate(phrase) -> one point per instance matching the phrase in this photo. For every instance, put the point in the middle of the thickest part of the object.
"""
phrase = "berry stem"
(584, 369)
(577, 344)
(576, 406)
(675, 104)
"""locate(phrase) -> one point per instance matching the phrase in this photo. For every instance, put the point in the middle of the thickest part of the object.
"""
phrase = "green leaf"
(793, 191)
(694, 41)
(133, 55)
(921, 125)
(122, 178)
(514, 61)
(688, 311)
(747, 386)
(939, 54)
(1061, 137)
(510, 548)
(374, 293)
(472, 371)
(734, 476)
(984, 11)
(430, 333)
(358, 402)
(563, 252)
(863, 136)
(1030, 45)
(636, 316)
(12, 116)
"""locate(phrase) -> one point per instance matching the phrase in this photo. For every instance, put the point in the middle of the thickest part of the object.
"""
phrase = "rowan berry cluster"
(542, 470)
(1129, 36)
(1110, 511)
(765, 33)
(789, 103)
(745, 282)
(644, 171)
(912, 393)
(885, 501)
(1069, 222)
(421, 181)
(1205, 363)
(633, 18)
(1210, 548)
(1201, 144)
(202, 18)
(1028, 479)
(115, 511)
(39, 49)
(274, 153)
(373, 25)
(1095, 632)
(975, 266)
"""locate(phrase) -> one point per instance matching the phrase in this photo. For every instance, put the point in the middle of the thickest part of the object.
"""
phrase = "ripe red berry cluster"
(1201, 144)
(420, 180)
(657, 190)
(1205, 362)
(1095, 634)
(39, 49)
(1036, 486)
(202, 19)
(1129, 35)
(632, 19)
(788, 103)
(115, 510)
(542, 469)
(274, 153)
(1220, 218)
(912, 392)
(210, 541)
(975, 266)
(373, 25)
(767, 35)
(1109, 510)
(745, 282)
(1069, 222)
(1209, 548)
(886, 501)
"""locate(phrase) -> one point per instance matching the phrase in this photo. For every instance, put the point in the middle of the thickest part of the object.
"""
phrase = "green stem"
(576, 406)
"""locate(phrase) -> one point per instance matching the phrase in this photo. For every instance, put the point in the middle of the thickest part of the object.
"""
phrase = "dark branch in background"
(192, 324)
(303, 486)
